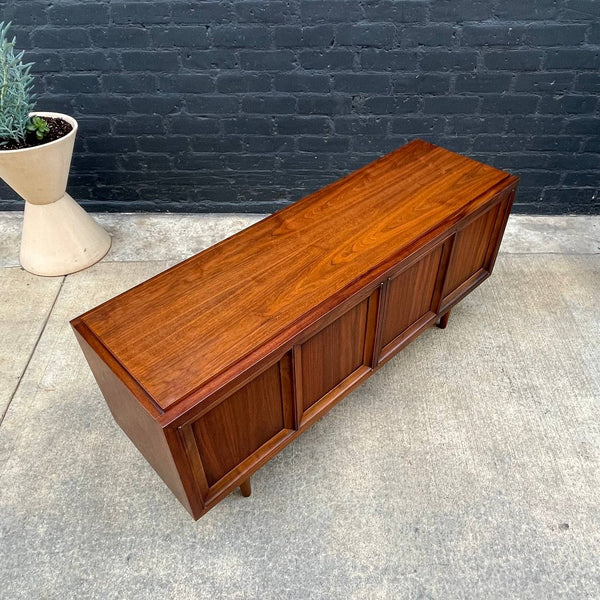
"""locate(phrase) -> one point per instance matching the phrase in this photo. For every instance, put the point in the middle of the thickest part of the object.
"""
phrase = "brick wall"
(249, 105)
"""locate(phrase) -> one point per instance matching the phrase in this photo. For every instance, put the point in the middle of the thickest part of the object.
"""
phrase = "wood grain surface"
(240, 425)
(410, 295)
(333, 354)
(180, 329)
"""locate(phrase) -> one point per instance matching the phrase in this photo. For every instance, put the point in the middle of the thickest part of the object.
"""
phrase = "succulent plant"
(16, 98)
(40, 127)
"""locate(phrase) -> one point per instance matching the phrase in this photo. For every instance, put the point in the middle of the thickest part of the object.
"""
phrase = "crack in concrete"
(30, 357)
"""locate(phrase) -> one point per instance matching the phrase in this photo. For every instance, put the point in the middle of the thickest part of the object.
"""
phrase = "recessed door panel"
(470, 250)
(333, 354)
(237, 427)
(410, 295)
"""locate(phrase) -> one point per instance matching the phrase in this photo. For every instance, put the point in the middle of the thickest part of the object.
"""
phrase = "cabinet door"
(335, 358)
(409, 303)
(241, 431)
(471, 254)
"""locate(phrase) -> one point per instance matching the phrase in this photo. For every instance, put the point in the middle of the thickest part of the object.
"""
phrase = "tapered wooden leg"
(245, 488)
(444, 321)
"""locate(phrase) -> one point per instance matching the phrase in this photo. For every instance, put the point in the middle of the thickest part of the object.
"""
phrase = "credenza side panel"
(141, 428)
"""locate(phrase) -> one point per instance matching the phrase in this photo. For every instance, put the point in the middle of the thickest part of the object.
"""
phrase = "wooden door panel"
(410, 296)
(237, 427)
(470, 250)
(333, 354)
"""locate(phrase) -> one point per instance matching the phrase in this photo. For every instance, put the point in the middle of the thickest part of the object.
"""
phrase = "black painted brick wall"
(249, 105)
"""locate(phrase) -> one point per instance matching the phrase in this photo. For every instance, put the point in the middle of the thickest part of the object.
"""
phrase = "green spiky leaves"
(16, 99)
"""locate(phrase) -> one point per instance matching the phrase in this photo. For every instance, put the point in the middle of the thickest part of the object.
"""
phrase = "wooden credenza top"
(177, 332)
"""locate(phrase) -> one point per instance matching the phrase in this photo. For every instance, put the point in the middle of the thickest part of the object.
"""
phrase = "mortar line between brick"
(37, 341)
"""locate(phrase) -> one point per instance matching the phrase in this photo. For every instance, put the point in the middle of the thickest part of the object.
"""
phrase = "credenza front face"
(334, 358)
(236, 428)
(244, 428)
(241, 429)
(410, 301)
(472, 250)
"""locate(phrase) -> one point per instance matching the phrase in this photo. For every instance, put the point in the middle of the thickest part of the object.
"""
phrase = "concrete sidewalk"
(468, 467)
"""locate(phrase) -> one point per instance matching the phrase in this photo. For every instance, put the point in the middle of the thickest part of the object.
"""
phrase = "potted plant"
(58, 236)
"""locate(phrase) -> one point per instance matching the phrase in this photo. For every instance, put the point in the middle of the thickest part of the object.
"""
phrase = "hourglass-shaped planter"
(58, 236)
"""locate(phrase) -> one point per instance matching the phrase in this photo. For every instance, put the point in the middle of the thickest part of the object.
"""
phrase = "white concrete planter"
(58, 237)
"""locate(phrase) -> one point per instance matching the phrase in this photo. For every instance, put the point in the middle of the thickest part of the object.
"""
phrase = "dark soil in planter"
(58, 128)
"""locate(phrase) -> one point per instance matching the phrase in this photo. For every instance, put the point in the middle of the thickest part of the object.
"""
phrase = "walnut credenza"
(215, 365)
